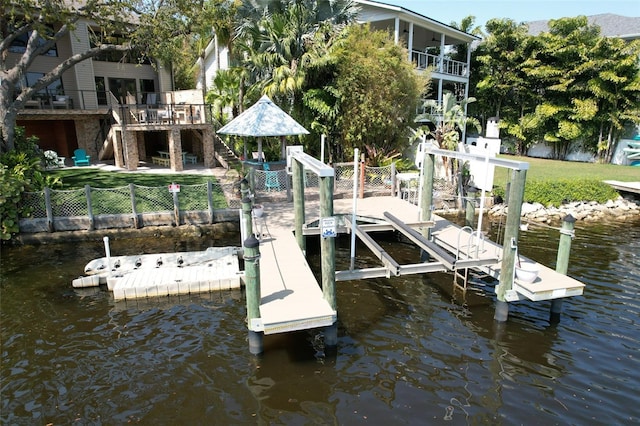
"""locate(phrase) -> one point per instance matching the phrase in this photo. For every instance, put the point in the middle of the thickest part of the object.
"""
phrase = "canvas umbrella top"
(264, 118)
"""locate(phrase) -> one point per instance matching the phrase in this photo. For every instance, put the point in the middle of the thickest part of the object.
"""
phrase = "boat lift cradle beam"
(389, 262)
(435, 250)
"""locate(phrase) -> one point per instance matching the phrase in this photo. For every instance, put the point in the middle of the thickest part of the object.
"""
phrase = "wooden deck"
(291, 298)
(624, 186)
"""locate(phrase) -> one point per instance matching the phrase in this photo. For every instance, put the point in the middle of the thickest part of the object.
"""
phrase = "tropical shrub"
(558, 192)
(20, 170)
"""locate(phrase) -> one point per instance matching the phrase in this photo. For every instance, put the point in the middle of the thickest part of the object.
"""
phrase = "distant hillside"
(610, 25)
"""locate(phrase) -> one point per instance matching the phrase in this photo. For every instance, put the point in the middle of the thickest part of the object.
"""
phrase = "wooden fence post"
(362, 177)
(176, 206)
(92, 221)
(134, 212)
(210, 200)
(48, 209)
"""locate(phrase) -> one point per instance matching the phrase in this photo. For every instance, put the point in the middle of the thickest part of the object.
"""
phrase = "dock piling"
(328, 259)
(252, 278)
(562, 262)
(510, 243)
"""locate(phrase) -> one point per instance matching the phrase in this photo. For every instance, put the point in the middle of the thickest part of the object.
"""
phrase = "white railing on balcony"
(444, 66)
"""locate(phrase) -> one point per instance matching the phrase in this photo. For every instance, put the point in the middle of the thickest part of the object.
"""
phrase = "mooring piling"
(562, 261)
(510, 243)
(252, 274)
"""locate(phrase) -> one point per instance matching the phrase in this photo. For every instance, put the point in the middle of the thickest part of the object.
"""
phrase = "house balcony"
(143, 109)
(439, 64)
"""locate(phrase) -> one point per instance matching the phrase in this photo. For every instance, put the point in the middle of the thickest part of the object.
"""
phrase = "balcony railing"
(163, 114)
(69, 100)
(144, 109)
(444, 66)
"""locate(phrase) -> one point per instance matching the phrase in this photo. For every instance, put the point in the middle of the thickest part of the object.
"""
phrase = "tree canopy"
(153, 28)
(567, 85)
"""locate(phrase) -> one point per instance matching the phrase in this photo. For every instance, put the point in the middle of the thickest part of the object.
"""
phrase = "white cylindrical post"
(107, 252)
(354, 208)
(322, 138)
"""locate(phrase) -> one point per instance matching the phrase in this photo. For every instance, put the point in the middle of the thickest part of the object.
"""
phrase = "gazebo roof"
(264, 118)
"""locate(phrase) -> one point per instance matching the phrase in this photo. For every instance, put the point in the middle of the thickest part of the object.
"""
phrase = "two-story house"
(113, 107)
(429, 43)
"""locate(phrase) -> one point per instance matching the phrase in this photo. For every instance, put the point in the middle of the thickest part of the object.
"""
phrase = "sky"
(446, 11)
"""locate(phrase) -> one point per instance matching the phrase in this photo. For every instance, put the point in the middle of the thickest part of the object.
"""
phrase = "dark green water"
(407, 353)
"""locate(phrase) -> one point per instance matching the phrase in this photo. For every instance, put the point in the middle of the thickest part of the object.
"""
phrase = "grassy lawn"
(78, 178)
(543, 169)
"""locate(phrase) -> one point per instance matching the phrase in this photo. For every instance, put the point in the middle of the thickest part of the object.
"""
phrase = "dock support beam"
(510, 243)
(426, 200)
(562, 262)
(328, 260)
(298, 201)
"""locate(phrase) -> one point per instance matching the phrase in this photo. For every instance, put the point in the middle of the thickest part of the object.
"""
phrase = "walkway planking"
(624, 186)
(291, 298)
(548, 285)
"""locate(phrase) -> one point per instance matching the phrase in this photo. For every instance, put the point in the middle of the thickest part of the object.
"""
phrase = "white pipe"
(482, 194)
(354, 207)
(322, 137)
(107, 252)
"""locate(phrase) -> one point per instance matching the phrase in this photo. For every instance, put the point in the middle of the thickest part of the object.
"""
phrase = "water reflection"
(409, 351)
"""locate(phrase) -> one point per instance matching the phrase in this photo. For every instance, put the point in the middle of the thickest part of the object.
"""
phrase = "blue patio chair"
(80, 157)
(271, 182)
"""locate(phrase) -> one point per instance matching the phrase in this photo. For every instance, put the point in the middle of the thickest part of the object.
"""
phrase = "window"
(54, 88)
(101, 91)
(19, 45)
(124, 88)
(134, 56)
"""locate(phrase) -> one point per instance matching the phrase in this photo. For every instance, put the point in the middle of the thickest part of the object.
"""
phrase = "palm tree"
(283, 44)
(449, 122)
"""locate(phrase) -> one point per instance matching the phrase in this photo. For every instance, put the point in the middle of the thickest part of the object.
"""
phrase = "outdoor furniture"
(271, 182)
(33, 103)
(80, 157)
(61, 102)
(407, 185)
(190, 158)
(53, 160)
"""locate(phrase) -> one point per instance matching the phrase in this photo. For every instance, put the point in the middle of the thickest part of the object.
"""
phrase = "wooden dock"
(291, 298)
(633, 187)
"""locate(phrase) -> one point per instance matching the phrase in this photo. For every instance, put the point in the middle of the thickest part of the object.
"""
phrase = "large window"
(124, 89)
(19, 45)
(54, 88)
(131, 57)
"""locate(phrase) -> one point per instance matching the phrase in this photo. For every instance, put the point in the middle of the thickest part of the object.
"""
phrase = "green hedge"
(558, 192)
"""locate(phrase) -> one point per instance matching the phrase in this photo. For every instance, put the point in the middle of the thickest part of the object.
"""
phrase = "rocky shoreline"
(588, 211)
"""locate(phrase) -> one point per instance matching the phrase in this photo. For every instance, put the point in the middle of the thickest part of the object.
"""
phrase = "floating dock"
(291, 298)
(165, 274)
